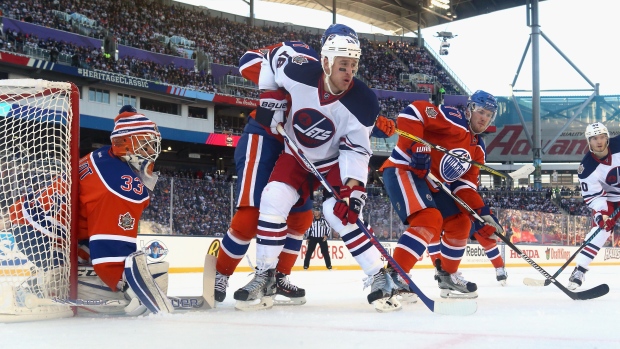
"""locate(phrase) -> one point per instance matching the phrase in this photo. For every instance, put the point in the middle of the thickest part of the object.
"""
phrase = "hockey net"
(39, 128)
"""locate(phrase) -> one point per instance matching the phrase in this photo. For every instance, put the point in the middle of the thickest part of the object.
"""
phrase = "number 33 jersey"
(112, 199)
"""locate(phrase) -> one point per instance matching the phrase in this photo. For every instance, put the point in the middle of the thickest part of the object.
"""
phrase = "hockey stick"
(536, 282)
(181, 303)
(445, 308)
(522, 172)
(595, 292)
(450, 152)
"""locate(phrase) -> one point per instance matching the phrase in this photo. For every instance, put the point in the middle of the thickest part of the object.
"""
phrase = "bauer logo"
(155, 250)
(312, 129)
(452, 168)
(612, 253)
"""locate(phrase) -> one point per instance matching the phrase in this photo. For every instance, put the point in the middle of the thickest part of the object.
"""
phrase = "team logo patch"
(429, 197)
(312, 129)
(431, 112)
(580, 169)
(126, 221)
(452, 168)
(299, 60)
(155, 250)
(263, 51)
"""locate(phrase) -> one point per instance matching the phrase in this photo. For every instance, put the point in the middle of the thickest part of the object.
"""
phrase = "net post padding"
(39, 139)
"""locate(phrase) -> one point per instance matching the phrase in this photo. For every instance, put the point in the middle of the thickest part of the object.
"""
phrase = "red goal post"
(39, 154)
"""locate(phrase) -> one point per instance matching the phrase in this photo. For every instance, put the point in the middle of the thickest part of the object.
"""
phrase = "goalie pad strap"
(141, 283)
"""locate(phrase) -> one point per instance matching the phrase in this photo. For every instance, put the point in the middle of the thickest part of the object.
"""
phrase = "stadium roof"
(402, 15)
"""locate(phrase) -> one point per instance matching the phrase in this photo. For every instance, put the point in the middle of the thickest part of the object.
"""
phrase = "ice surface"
(338, 316)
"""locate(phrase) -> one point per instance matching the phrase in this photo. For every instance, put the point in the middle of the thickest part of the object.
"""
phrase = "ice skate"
(402, 288)
(258, 293)
(381, 291)
(293, 295)
(501, 275)
(577, 278)
(221, 284)
(454, 285)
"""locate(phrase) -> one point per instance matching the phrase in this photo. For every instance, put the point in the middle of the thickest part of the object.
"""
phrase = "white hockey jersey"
(328, 129)
(600, 178)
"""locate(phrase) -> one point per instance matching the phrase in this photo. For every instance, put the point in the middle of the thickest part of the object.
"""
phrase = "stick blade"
(523, 172)
(592, 293)
(208, 280)
(534, 282)
(460, 307)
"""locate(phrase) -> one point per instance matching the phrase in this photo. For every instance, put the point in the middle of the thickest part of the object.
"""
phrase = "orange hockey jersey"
(445, 126)
(112, 199)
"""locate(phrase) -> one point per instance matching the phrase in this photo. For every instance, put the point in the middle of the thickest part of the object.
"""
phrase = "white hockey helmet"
(340, 46)
(596, 129)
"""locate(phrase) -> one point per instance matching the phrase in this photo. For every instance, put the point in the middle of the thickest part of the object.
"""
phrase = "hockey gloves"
(604, 221)
(356, 198)
(271, 109)
(420, 163)
(490, 225)
(384, 127)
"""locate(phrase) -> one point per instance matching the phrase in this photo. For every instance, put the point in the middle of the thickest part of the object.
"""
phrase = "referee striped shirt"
(319, 228)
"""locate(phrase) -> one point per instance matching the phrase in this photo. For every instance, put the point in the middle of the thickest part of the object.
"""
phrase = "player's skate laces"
(501, 275)
(285, 288)
(402, 288)
(577, 277)
(221, 284)
(381, 286)
(263, 284)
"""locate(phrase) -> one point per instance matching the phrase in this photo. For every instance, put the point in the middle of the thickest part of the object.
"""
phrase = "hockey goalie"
(114, 184)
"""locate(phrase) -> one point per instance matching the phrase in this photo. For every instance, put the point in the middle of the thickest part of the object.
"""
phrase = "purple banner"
(455, 100)
(406, 96)
(84, 41)
(220, 71)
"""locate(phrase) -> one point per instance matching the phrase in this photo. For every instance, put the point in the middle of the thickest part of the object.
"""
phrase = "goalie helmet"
(137, 141)
(596, 129)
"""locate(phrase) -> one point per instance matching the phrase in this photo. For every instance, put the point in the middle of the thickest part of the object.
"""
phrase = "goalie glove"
(489, 219)
(349, 213)
(271, 109)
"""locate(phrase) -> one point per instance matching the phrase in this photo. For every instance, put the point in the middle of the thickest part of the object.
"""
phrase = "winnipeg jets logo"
(452, 168)
(612, 182)
(312, 128)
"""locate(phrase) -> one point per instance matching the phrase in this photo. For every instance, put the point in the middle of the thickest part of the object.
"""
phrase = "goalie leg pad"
(142, 284)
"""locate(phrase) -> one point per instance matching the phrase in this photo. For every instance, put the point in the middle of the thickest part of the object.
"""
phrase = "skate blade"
(572, 286)
(450, 294)
(386, 305)
(408, 298)
(284, 300)
(257, 304)
(502, 282)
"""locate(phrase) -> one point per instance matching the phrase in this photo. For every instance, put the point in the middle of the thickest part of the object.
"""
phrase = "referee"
(317, 234)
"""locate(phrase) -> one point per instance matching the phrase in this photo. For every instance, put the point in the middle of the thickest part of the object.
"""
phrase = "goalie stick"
(594, 292)
(449, 152)
(546, 282)
(439, 307)
(522, 172)
(205, 301)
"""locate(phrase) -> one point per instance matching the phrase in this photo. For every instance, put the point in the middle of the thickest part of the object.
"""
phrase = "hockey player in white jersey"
(331, 117)
(598, 176)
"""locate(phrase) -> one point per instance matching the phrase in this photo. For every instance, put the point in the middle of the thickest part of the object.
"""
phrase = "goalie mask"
(137, 141)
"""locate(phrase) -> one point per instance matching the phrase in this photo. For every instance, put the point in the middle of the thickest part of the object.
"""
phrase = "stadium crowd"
(150, 25)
